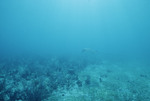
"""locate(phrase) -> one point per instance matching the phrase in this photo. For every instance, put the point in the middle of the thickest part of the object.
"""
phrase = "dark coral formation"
(36, 78)
(44, 79)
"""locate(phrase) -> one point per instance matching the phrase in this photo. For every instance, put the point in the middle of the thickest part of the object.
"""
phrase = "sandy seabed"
(61, 79)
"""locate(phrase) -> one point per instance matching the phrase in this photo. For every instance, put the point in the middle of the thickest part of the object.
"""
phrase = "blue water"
(68, 26)
(87, 32)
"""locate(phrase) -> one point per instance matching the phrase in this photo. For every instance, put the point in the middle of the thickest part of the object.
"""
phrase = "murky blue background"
(64, 27)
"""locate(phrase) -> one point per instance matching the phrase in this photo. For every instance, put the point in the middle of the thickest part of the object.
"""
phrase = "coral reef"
(67, 79)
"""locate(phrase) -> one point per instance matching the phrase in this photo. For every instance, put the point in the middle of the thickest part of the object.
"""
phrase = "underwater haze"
(68, 26)
(74, 50)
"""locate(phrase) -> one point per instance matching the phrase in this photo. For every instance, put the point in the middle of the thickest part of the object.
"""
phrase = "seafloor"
(69, 79)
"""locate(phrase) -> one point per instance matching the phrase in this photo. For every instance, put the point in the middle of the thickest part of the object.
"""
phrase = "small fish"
(85, 50)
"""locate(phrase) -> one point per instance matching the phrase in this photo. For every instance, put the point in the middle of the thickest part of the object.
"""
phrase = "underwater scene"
(74, 50)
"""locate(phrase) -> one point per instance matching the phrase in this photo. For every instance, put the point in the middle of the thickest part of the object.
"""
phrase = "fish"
(88, 50)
